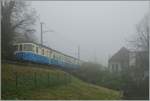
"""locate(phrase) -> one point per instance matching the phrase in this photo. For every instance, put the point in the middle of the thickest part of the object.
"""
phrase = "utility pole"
(41, 32)
(78, 54)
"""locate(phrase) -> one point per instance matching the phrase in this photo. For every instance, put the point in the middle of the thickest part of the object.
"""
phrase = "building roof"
(121, 55)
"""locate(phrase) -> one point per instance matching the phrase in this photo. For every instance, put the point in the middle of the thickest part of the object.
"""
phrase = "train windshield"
(28, 47)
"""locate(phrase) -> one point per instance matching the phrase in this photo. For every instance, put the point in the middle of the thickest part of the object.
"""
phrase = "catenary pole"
(41, 32)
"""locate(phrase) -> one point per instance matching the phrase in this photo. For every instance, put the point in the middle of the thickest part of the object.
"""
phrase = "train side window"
(37, 51)
(21, 47)
(28, 47)
(42, 51)
(63, 58)
(59, 58)
(47, 53)
(54, 56)
(50, 53)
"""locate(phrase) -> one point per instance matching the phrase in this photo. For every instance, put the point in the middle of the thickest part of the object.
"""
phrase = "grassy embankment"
(26, 82)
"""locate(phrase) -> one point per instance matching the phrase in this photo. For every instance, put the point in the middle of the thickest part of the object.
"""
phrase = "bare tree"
(142, 45)
(138, 74)
(141, 40)
(17, 19)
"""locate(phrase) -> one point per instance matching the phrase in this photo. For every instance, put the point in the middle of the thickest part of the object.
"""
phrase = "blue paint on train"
(30, 56)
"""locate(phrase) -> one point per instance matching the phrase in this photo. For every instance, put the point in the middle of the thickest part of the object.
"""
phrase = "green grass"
(38, 83)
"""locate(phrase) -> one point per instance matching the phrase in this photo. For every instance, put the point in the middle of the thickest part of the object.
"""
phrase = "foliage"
(93, 73)
(125, 81)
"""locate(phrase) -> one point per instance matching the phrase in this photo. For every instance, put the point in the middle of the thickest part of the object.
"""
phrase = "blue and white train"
(33, 52)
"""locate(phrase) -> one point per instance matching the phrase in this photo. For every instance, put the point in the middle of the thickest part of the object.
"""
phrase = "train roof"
(48, 48)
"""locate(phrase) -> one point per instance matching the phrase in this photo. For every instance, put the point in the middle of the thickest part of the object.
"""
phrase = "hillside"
(26, 82)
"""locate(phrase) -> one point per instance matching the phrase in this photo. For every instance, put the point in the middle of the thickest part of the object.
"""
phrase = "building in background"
(126, 59)
(119, 60)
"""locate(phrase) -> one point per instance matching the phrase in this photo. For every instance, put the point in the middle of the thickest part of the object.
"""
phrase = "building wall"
(115, 66)
(132, 59)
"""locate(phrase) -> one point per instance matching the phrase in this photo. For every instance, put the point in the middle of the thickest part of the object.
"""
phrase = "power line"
(42, 32)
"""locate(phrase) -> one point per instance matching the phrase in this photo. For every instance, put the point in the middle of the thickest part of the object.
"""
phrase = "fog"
(100, 28)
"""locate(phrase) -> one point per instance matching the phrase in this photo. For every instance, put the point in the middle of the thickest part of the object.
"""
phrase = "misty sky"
(100, 27)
